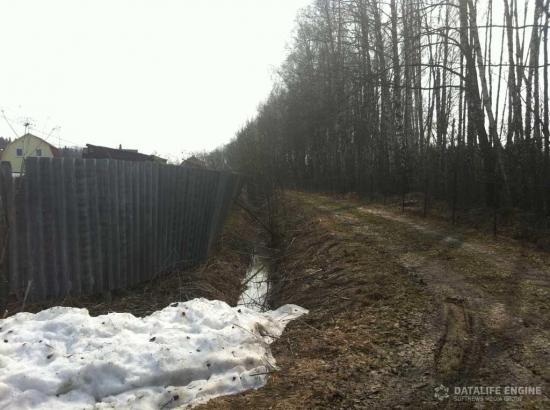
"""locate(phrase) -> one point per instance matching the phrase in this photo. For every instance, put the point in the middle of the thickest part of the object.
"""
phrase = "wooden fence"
(88, 226)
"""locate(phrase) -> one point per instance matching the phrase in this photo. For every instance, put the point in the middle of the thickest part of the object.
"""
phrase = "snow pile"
(186, 354)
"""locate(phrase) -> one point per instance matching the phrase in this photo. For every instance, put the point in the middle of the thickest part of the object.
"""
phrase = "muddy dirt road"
(399, 306)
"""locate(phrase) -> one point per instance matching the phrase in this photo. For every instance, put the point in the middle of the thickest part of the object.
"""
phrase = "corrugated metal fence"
(89, 226)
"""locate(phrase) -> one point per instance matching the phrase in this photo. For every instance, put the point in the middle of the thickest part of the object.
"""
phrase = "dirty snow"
(185, 354)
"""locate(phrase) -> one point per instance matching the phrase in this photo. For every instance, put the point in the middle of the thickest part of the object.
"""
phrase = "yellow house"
(27, 146)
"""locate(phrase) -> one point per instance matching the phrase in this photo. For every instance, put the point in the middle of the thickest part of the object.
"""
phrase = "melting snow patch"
(186, 354)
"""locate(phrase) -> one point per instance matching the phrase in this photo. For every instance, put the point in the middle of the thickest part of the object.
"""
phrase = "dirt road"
(400, 305)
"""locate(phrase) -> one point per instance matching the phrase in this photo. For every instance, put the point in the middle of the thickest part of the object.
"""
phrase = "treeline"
(4, 142)
(446, 98)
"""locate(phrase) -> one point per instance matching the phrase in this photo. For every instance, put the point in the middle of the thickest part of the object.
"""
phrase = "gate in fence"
(88, 226)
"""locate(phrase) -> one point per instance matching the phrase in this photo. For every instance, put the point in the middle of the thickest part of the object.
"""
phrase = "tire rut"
(459, 350)
(479, 332)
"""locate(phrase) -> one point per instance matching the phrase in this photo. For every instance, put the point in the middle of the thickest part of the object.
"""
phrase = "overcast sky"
(165, 76)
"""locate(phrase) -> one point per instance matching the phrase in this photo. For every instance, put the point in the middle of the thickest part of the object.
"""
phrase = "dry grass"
(398, 306)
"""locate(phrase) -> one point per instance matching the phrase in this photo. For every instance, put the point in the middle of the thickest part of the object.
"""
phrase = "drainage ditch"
(256, 284)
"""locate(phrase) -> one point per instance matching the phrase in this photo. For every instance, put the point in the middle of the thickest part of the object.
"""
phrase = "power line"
(9, 124)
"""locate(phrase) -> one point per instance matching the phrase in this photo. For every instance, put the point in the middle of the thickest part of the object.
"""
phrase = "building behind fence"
(80, 227)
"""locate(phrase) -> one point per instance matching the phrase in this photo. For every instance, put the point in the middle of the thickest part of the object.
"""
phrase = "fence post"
(5, 201)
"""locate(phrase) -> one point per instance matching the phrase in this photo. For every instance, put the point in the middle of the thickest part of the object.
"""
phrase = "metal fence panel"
(89, 226)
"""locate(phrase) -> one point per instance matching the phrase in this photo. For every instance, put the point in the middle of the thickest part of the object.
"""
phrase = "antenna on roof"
(27, 124)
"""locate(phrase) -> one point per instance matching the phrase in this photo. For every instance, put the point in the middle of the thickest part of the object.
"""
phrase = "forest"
(446, 99)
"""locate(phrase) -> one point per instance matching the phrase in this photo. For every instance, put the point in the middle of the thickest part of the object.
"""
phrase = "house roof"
(194, 162)
(99, 152)
(55, 150)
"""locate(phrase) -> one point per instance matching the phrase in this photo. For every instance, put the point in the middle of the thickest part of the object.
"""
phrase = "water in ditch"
(256, 284)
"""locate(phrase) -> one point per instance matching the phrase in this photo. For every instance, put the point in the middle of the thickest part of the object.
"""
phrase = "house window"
(38, 152)
(19, 152)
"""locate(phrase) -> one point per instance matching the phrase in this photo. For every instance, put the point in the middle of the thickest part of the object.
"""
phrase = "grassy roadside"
(398, 305)
(366, 342)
